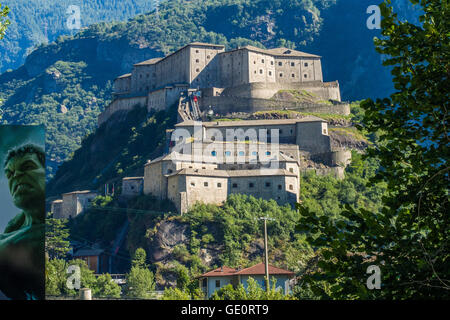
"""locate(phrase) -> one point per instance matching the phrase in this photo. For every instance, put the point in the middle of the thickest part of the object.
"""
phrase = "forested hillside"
(65, 84)
(42, 21)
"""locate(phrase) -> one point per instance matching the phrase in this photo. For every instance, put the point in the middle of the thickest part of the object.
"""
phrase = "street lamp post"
(266, 251)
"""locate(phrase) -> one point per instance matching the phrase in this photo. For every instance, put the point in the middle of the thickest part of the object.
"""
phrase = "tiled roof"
(258, 269)
(220, 272)
(148, 62)
(279, 52)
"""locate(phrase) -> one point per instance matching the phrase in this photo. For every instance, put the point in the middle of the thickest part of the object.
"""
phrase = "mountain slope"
(42, 21)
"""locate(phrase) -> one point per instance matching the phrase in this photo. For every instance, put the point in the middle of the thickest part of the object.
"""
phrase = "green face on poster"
(22, 243)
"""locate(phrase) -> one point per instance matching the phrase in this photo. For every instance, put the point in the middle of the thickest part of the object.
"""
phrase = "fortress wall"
(69, 206)
(126, 104)
(212, 193)
(260, 90)
(261, 67)
(341, 157)
(310, 137)
(337, 172)
(122, 85)
(233, 68)
(297, 69)
(153, 180)
(204, 66)
(156, 100)
(224, 105)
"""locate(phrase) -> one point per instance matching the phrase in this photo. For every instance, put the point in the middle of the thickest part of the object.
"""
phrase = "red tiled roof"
(258, 269)
(220, 272)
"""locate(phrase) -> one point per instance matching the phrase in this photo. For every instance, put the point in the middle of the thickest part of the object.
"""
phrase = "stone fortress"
(217, 158)
(241, 80)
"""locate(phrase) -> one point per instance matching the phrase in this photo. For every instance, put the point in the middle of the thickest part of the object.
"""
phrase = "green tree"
(139, 258)
(106, 287)
(4, 22)
(56, 277)
(409, 238)
(56, 234)
(175, 294)
(140, 280)
(253, 292)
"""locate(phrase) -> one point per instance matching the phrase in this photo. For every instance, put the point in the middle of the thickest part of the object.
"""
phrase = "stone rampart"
(122, 104)
(226, 104)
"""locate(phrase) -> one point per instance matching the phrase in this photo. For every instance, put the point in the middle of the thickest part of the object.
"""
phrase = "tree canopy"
(408, 239)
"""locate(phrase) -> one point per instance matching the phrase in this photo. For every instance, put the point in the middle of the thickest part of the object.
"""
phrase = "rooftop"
(258, 269)
(148, 62)
(233, 173)
(80, 192)
(279, 52)
(242, 123)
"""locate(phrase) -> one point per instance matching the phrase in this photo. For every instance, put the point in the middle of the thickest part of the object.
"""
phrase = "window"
(214, 153)
(241, 153)
(197, 70)
(325, 131)
(268, 153)
(235, 185)
(208, 57)
(169, 171)
(204, 282)
(219, 185)
(254, 153)
(205, 184)
(262, 60)
(197, 60)
(280, 187)
(271, 62)
(280, 63)
(227, 153)
(196, 51)
(217, 283)
(281, 75)
(193, 184)
(254, 62)
(292, 64)
(293, 75)
(305, 75)
(291, 187)
(306, 64)
(251, 185)
(268, 184)
(261, 71)
(291, 170)
(270, 73)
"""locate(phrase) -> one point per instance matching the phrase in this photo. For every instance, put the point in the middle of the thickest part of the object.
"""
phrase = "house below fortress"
(241, 80)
